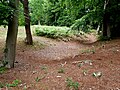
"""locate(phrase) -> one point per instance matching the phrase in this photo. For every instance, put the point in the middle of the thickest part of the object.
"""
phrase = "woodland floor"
(48, 63)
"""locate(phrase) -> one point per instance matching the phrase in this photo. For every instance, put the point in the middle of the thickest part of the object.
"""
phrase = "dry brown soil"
(48, 64)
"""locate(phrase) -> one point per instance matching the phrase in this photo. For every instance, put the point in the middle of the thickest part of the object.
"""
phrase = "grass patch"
(37, 79)
(14, 83)
(88, 51)
(2, 69)
(2, 85)
(61, 70)
(43, 67)
(72, 85)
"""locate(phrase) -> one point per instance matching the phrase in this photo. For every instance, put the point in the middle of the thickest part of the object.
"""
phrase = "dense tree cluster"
(79, 14)
(9, 12)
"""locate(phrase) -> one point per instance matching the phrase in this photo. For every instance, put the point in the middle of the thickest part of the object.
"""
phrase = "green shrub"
(52, 32)
(81, 24)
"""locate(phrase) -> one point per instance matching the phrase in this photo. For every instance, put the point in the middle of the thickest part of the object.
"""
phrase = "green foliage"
(65, 21)
(80, 64)
(37, 79)
(81, 24)
(88, 51)
(103, 38)
(43, 67)
(1, 85)
(21, 15)
(36, 11)
(61, 70)
(71, 84)
(52, 32)
(2, 69)
(14, 83)
(5, 11)
(81, 15)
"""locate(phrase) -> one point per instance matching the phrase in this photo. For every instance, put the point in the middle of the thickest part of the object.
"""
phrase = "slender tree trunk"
(39, 22)
(98, 29)
(29, 39)
(11, 39)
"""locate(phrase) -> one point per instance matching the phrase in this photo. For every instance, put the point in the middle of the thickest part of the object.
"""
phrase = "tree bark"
(106, 18)
(106, 26)
(29, 39)
(10, 48)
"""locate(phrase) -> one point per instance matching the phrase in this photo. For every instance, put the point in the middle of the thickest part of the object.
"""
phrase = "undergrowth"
(72, 85)
(15, 83)
(2, 69)
(61, 70)
(103, 38)
(53, 32)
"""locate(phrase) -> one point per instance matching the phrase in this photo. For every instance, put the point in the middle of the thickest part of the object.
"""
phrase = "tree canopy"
(79, 14)
(5, 11)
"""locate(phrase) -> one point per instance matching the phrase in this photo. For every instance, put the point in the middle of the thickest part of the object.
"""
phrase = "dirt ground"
(49, 64)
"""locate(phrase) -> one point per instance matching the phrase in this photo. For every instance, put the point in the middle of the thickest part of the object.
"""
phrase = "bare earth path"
(54, 50)
(48, 64)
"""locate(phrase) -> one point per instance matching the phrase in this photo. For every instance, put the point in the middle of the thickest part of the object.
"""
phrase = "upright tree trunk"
(29, 39)
(106, 26)
(10, 48)
(106, 17)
